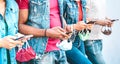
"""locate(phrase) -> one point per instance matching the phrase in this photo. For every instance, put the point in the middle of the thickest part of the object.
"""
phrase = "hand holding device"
(24, 37)
(114, 20)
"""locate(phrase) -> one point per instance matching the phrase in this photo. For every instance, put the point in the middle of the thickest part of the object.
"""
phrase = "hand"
(69, 30)
(22, 37)
(9, 42)
(104, 22)
(56, 32)
(80, 26)
(89, 26)
(110, 22)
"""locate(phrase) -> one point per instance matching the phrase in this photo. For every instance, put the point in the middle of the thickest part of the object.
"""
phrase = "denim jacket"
(71, 11)
(11, 19)
(39, 17)
(71, 14)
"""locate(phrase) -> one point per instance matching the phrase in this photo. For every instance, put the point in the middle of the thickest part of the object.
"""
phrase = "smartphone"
(91, 22)
(68, 32)
(114, 20)
(25, 36)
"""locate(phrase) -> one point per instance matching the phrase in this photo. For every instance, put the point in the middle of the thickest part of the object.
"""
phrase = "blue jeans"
(77, 54)
(94, 51)
(54, 57)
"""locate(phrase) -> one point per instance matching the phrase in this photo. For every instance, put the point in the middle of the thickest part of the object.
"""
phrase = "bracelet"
(45, 32)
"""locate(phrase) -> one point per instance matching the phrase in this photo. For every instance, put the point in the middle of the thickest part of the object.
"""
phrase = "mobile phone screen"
(19, 37)
(25, 36)
(114, 20)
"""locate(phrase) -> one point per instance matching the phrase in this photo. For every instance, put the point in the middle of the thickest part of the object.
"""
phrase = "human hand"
(69, 29)
(80, 26)
(9, 42)
(89, 26)
(57, 32)
(22, 37)
(105, 22)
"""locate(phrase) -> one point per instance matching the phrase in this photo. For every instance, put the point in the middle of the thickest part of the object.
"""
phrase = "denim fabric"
(54, 57)
(71, 12)
(77, 54)
(78, 43)
(94, 51)
(11, 19)
(39, 17)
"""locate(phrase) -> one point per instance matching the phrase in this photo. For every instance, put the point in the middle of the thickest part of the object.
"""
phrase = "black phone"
(91, 22)
(114, 20)
(68, 32)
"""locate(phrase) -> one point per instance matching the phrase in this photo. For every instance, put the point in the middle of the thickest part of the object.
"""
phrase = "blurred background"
(111, 44)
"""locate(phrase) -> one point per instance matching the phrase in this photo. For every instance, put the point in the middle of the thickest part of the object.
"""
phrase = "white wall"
(111, 45)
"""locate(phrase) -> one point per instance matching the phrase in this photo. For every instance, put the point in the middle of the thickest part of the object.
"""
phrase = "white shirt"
(97, 10)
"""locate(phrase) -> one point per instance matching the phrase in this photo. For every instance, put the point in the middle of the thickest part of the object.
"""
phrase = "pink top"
(54, 20)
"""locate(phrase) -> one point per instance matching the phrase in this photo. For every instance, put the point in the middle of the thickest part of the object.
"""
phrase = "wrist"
(74, 26)
(45, 33)
(0, 43)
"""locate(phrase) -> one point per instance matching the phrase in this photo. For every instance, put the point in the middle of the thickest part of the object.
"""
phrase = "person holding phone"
(75, 15)
(96, 13)
(43, 19)
(8, 28)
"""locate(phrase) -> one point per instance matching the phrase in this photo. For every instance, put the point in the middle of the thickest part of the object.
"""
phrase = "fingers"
(9, 42)
(62, 32)
(89, 26)
(59, 32)
(109, 23)
(61, 29)
(12, 43)
(80, 26)
(11, 46)
(63, 35)
(69, 28)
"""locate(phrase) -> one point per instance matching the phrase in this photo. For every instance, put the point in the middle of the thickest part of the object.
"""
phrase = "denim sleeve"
(64, 8)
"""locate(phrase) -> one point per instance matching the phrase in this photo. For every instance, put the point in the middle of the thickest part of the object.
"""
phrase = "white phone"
(24, 36)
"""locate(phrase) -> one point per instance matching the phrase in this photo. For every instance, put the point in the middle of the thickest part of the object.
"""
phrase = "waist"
(51, 45)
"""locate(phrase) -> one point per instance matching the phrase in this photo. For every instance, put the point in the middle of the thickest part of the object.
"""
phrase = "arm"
(56, 32)
(103, 22)
(26, 29)
(23, 16)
